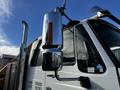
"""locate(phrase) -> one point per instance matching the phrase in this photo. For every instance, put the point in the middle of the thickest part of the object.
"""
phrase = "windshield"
(109, 34)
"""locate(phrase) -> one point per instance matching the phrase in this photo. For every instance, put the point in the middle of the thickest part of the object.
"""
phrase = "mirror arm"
(114, 19)
(67, 17)
(84, 81)
(65, 79)
(108, 14)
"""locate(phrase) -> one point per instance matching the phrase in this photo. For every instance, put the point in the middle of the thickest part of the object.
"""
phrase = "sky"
(12, 12)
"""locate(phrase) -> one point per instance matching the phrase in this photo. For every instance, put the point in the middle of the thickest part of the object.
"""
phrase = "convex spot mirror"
(52, 59)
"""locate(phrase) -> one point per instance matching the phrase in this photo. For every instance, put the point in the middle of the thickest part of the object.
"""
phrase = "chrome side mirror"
(52, 41)
(52, 30)
(52, 60)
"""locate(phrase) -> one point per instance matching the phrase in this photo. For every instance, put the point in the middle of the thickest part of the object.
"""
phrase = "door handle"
(51, 75)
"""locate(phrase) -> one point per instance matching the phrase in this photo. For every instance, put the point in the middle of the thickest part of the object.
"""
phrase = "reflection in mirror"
(52, 59)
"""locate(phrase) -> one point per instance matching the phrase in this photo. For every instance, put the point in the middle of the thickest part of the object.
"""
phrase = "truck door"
(109, 35)
(35, 79)
(84, 58)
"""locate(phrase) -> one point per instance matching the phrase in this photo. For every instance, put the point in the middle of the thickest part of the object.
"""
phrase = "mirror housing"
(52, 60)
(52, 41)
(52, 30)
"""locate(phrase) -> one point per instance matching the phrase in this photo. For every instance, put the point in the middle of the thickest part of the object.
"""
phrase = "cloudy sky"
(6, 47)
(12, 12)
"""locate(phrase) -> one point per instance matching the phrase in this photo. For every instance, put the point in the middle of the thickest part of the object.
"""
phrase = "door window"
(88, 58)
(109, 35)
(68, 47)
(36, 56)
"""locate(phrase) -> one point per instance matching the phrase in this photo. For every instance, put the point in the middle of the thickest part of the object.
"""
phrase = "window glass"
(35, 54)
(88, 58)
(109, 35)
(68, 48)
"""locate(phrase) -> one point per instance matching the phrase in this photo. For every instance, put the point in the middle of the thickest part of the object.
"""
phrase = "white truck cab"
(83, 56)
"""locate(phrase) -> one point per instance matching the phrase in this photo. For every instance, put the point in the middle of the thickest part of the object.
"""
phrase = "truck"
(79, 55)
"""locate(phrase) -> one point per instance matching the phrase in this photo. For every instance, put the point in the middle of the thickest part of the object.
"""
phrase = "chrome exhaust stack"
(21, 58)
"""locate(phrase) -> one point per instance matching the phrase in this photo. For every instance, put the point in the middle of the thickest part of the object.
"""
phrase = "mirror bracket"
(84, 81)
